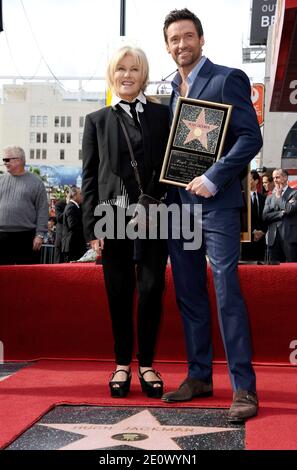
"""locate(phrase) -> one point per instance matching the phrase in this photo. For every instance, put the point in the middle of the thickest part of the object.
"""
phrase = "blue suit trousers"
(221, 244)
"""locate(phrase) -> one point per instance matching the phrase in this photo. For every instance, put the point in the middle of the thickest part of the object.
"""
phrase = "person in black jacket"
(59, 213)
(73, 241)
(108, 178)
(255, 249)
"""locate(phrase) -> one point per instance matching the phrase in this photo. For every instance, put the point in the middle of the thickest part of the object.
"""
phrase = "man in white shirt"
(73, 241)
(255, 249)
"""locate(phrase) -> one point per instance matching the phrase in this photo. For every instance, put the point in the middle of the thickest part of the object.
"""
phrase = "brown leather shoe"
(189, 389)
(244, 406)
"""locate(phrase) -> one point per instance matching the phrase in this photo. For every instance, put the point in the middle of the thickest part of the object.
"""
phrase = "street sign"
(258, 101)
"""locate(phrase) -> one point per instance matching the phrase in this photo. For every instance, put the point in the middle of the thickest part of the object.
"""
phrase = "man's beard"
(190, 60)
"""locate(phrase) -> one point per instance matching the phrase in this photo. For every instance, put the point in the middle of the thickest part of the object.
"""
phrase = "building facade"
(280, 128)
(46, 122)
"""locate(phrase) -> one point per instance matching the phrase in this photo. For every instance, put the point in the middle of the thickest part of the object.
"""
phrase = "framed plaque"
(196, 139)
(245, 212)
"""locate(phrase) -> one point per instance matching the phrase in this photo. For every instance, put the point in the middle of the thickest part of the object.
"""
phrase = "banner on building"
(263, 14)
(283, 81)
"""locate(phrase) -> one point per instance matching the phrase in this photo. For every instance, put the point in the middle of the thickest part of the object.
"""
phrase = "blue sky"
(76, 37)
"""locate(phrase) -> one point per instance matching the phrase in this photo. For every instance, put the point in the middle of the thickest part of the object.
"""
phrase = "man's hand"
(258, 234)
(37, 242)
(278, 190)
(197, 187)
(97, 245)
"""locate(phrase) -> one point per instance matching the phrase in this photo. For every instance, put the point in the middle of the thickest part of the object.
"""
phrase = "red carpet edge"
(30, 393)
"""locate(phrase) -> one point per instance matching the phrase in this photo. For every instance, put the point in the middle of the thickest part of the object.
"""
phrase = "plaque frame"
(177, 149)
(245, 212)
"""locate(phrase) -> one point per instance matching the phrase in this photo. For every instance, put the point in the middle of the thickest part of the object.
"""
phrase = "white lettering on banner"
(266, 8)
(267, 21)
(293, 95)
(293, 355)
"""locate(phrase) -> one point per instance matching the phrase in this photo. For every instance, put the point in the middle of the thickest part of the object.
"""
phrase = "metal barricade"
(47, 254)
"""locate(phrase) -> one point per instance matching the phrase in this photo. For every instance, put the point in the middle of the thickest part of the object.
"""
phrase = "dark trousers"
(220, 241)
(72, 255)
(121, 276)
(253, 251)
(282, 251)
(58, 256)
(17, 248)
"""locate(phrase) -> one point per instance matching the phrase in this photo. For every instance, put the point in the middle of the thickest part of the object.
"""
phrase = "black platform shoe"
(120, 389)
(154, 388)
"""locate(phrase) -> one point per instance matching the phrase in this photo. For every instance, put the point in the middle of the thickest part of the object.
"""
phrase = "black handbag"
(141, 214)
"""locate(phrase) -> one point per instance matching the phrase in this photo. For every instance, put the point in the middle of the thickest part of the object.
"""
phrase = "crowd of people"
(273, 219)
(273, 210)
(25, 225)
(123, 151)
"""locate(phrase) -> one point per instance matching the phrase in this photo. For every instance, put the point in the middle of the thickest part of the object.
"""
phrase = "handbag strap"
(132, 156)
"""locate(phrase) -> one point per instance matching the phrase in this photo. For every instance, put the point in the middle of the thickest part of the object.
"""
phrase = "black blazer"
(59, 212)
(101, 180)
(257, 221)
(73, 242)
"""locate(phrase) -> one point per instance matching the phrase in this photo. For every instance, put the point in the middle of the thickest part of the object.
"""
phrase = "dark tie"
(255, 203)
(133, 111)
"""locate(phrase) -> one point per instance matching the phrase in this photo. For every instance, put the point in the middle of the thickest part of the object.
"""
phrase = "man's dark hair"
(255, 175)
(73, 191)
(178, 15)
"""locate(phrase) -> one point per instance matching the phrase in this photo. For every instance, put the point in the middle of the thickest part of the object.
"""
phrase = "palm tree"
(36, 171)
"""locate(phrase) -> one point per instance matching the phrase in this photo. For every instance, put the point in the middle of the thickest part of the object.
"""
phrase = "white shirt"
(139, 108)
(283, 190)
(74, 202)
(211, 187)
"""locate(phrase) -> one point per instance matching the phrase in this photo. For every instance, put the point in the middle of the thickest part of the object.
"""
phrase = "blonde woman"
(108, 178)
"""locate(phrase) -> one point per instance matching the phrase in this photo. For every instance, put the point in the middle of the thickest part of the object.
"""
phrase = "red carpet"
(60, 311)
(31, 392)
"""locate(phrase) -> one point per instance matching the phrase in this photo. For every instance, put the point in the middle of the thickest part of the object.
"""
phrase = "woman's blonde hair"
(141, 61)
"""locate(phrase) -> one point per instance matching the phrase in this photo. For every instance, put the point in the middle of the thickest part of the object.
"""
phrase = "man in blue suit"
(219, 192)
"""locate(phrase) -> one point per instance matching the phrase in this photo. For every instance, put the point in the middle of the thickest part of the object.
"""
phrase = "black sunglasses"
(7, 160)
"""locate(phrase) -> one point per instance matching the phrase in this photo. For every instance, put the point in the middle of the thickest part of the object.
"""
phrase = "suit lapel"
(274, 200)
(147, 124)
(288, 192)
(201, 80)
(111, 140)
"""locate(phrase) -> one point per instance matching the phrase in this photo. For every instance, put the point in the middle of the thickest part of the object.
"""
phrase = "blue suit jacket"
(243, 140)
